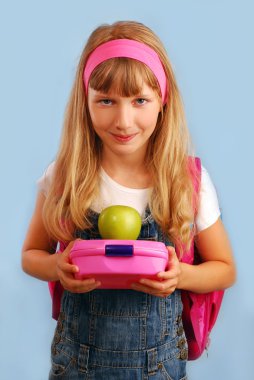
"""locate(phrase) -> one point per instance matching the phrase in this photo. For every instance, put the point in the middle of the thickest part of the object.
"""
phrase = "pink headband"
(129, 49)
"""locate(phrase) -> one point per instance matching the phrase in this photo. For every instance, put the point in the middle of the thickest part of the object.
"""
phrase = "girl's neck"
(127, 171)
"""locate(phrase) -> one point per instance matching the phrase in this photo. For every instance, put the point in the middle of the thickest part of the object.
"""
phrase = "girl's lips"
(124, 138)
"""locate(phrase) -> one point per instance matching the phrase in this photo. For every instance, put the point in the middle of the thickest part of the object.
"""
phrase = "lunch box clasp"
(117, 250)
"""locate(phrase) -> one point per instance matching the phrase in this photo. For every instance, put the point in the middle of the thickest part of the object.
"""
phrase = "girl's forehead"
(144, 90)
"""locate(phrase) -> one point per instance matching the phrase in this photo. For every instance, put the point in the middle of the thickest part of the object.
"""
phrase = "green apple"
(119, 222)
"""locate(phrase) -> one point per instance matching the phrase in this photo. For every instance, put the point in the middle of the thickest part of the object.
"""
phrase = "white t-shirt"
(112, 193)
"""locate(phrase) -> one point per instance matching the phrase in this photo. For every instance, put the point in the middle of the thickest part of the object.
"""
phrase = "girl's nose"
(124, 116)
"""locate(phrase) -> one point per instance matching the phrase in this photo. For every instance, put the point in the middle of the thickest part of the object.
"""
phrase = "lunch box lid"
(118, 248)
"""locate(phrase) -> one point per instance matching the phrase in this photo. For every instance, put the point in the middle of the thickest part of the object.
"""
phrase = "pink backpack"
(56, 290)
(200, 311)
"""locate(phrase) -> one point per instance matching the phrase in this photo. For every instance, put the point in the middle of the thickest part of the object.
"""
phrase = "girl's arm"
(218, 268)
(37, 258)
(216, 272)
(39, 262)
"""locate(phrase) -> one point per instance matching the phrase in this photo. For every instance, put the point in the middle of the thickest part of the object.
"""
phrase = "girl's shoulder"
(44, 181)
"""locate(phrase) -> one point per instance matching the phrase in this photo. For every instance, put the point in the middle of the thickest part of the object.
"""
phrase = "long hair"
(76, 176)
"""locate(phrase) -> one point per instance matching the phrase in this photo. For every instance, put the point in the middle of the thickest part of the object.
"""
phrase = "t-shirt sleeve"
(44, 181)
(209, 210)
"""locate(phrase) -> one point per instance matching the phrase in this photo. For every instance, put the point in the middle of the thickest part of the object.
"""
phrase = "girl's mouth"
(124, 138)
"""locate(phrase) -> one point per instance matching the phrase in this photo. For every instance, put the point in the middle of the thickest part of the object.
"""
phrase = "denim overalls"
(119, 334)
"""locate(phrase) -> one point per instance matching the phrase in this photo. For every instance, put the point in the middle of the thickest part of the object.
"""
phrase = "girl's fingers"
(173, 270)
(67, 250)
(159, 285)
(167, 281)
(172, 256)
(68, 268)
(171, 250)
(63, 260)
(66, 272)
(153, 291)
(79, 286)
(169, 275)
(156, 286)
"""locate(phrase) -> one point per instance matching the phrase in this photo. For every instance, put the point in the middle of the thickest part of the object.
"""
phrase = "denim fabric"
(120, 334)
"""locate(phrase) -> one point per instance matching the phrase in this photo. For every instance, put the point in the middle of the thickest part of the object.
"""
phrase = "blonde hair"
(75, 180)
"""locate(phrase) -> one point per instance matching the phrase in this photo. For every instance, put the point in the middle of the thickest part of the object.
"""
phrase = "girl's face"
(124, 124)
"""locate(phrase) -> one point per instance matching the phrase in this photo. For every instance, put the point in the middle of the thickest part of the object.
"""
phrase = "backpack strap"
(56, 289)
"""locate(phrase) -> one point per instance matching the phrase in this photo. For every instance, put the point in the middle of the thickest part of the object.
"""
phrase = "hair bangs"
(123, 76)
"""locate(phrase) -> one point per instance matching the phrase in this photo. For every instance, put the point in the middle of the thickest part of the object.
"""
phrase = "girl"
(125, 141)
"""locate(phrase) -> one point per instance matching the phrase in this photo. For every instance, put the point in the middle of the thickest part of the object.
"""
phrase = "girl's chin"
(126, 150)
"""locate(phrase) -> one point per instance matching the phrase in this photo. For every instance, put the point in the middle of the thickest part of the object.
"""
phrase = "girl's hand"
(167, 281)
(65, 271)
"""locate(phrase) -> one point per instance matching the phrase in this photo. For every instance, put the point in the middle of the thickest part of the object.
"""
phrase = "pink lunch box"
(118, 263)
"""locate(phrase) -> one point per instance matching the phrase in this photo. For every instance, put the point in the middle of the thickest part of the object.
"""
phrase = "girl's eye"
(140, 101)
(105, 102)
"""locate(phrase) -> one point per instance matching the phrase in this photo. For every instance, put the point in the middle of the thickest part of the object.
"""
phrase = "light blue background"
(210, 44)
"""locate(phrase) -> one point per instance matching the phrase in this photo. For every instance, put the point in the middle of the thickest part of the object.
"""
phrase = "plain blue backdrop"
(210, 44)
